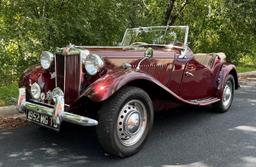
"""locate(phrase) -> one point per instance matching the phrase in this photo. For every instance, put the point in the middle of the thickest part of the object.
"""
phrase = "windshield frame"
(185, 43)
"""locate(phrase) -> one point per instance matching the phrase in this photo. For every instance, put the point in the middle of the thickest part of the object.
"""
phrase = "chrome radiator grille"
(68, 76)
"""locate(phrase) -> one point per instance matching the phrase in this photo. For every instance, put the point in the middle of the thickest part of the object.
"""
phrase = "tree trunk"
(168, 12)
(170, 16)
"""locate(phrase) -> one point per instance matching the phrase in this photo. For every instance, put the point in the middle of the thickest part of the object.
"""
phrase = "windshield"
(156, 35)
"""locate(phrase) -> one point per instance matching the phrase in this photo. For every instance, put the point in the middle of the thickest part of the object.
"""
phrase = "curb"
(245, 74)
(11, 111)
(247, 78)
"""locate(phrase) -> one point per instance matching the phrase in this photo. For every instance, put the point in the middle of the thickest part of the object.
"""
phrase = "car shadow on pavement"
(188, 136)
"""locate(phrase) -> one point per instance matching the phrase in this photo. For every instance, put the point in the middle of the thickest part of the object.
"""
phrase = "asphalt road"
(190, 137)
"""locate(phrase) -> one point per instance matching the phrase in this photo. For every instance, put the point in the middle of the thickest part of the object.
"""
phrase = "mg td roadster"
(117, 89)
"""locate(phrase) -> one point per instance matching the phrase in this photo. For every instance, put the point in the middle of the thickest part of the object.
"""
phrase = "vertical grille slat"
(72, 81)
(68, 73)
(59, 69)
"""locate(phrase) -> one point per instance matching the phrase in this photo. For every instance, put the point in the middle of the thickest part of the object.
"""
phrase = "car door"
(197, 81)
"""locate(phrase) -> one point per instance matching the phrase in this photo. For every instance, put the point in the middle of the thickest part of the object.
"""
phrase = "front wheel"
(227, 96)
(125, 121)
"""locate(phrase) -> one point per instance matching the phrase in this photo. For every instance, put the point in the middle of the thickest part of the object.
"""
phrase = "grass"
(246, 68)
(8, 94)
(246, 63)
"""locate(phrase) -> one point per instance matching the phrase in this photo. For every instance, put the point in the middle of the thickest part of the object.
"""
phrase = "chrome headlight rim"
(46, 59)
(93, 63)
(35, 91)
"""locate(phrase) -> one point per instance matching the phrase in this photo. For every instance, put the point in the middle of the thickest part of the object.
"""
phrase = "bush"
(8, 94)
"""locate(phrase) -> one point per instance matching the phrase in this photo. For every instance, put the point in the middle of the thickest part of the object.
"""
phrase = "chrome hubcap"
(131, 122)
(227, 94)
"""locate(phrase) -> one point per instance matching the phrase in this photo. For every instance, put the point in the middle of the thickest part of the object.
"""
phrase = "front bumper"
(24, 105)
(66, 116)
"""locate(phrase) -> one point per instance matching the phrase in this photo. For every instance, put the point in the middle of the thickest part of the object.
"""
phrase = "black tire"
(221, 106)
(109, 115)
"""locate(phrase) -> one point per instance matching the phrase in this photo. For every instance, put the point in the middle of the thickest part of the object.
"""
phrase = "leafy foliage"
(29, 26)
(9, 94)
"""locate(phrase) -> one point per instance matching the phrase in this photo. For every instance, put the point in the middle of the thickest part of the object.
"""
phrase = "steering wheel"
(139, 43)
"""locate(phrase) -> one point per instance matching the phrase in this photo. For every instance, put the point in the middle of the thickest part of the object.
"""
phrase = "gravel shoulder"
(247, 78)
(9, 111)
(10, 118)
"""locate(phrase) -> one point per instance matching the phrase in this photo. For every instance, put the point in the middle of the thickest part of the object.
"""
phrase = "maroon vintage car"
(117, 89)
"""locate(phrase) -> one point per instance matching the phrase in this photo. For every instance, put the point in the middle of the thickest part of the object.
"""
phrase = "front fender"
(37, 74)
(107, 85)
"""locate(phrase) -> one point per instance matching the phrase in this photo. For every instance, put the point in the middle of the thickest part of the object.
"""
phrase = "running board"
(205, 102)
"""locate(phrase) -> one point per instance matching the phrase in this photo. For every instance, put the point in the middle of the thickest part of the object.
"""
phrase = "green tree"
(29, 26)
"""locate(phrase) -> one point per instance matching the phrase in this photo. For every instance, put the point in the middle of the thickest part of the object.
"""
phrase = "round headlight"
(93, 63)
(46, 59)
(35, 91)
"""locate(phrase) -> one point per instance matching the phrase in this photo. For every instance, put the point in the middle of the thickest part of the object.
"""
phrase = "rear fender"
(227, 69)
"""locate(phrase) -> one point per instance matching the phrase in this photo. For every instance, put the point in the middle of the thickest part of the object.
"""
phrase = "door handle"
(188, 74)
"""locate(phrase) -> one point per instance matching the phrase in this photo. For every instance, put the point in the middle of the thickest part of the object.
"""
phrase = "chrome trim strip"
(58, 73)
(68, 117)
(64, 80)
(46, 104)
(38, 102)
(55, 72)
(80, 73)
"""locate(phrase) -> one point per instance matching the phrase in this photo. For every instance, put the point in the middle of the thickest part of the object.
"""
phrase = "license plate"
(42, 119)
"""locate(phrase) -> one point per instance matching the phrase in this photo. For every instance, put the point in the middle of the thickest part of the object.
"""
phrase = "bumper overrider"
(56, 112)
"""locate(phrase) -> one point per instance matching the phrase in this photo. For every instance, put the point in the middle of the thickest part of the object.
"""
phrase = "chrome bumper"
(66, 116)
(56, 112)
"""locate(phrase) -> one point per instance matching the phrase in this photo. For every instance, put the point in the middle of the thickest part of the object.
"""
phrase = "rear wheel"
(227, 96)
(125, 121)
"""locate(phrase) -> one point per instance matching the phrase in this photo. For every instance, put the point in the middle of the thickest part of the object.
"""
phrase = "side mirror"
(149, 53)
